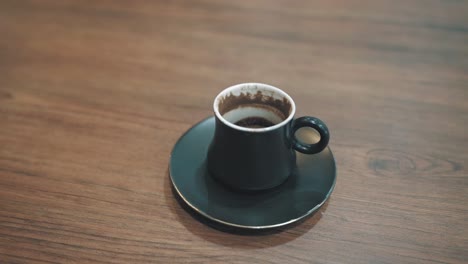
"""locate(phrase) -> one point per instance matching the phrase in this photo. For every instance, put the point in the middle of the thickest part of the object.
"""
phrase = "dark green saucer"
(301, 195)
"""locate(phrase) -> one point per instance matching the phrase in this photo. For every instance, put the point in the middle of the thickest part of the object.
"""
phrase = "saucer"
(305, 191)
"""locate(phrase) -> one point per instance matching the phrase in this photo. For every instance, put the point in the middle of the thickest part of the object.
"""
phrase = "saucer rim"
(263, 227)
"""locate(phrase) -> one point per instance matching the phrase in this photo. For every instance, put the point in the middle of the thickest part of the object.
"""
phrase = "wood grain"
(94, 94)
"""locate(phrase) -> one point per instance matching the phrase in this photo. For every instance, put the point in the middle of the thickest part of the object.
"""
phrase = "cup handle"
(315, 123)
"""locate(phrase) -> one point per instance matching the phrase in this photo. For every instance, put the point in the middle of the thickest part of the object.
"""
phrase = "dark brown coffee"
(254, 122)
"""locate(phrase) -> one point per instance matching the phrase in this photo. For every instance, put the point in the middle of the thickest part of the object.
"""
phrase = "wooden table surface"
(94, 94)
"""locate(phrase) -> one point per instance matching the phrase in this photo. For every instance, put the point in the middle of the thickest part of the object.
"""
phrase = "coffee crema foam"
(231, 101)
(254, 110)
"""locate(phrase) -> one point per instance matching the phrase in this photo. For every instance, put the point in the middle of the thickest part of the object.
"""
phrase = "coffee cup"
(254, 145)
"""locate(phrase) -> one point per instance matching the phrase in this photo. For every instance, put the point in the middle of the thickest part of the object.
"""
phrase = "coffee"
(254, 122)
(254, 143)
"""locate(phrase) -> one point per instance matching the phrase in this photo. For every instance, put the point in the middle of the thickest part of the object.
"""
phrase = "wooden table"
(94, 94)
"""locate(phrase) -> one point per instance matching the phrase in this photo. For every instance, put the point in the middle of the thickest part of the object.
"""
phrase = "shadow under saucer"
(210, 230)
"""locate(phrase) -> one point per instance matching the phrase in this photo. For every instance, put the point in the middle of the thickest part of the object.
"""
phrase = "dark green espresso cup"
(254, 144)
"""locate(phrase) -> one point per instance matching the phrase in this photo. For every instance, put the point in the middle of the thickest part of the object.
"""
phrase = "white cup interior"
(246, 100)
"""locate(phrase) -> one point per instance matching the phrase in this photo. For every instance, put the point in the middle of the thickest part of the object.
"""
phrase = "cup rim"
(258, 85)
